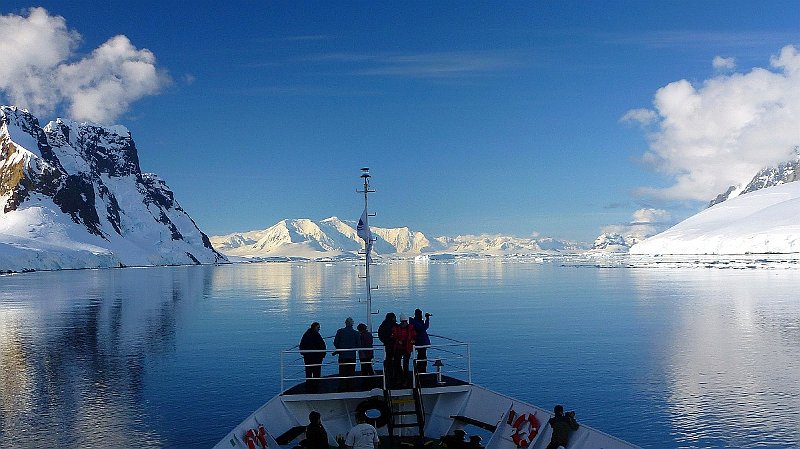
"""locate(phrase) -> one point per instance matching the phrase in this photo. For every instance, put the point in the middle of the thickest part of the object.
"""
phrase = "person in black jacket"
(562, 425)
(312, 341)
(385, 336)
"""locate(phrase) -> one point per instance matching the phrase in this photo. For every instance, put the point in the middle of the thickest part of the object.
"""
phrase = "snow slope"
(759, 222)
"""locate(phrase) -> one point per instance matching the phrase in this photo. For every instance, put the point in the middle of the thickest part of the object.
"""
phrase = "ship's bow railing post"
(450, 358)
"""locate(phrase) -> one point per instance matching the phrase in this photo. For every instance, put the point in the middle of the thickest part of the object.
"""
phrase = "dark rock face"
(155, 192)
(76, 198)
(774, 176)
(722, 196)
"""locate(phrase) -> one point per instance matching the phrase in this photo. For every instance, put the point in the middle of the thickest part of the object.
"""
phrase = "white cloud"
(645, 223)
(720, 133)
(36, 70)
(721, 63)
(650, 215)
(641, 116)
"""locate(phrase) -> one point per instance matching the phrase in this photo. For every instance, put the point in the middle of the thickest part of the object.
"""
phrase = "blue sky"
(474, 117)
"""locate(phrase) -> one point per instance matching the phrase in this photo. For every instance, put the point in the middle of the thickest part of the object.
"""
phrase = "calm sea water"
(175, 357)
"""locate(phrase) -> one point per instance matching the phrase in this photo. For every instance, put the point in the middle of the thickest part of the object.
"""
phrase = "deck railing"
(452, 356)
(445, 357)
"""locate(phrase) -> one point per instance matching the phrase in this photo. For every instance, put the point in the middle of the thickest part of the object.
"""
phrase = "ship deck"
(332, 384)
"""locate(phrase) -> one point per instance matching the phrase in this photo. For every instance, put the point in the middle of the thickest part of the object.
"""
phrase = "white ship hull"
(442, 404)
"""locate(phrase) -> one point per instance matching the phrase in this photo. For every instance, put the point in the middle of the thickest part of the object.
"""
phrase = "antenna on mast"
(364, 232)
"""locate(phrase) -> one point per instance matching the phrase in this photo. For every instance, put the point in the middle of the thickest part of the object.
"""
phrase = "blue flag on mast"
(363, 231)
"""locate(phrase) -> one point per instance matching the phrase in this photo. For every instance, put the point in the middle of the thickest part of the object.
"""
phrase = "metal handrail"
(448, 349)
(295, 350)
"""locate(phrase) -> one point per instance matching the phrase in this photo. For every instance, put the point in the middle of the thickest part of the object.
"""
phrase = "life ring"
(524, 434)
(374, 404)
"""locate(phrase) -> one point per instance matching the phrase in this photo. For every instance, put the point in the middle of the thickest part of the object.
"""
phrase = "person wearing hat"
(403, 335)
(345, 340)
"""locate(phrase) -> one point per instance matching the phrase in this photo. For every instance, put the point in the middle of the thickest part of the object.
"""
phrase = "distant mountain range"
(72, 195)
(333, 238)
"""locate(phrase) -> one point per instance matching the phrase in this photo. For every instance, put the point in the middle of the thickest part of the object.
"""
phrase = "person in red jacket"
(403, 335)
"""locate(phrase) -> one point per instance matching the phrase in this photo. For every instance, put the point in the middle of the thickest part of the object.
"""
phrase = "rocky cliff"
(72, 195)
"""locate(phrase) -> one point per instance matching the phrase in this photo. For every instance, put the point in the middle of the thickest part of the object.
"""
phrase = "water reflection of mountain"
(732, 357)
(304, 283)
(312, 284)
(74, 350)
(79, 350)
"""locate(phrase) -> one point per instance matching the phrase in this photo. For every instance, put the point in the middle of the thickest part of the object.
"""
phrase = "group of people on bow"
(399, 340)
(349, 343)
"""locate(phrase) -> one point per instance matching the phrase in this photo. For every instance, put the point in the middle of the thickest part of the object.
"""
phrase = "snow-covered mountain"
(621, 241)
(614, 242)
(328, 238)
(73, 196)
(783, 173)
(491, 244)
(334, 238)
(292, 238)
(762, 221)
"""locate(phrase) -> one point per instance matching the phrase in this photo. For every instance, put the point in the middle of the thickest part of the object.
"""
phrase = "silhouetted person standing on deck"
(312, 340)
(563, 425)
(385, 336)
(421, 329)
(365, 356)
(346, 338)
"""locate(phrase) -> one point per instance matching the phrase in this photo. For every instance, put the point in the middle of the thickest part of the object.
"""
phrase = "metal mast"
(367, 245)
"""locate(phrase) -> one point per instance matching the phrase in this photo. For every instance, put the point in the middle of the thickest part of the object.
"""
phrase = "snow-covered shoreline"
(765, 221)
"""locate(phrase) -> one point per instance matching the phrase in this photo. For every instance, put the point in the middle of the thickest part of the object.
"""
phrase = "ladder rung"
(407, 425)
(408, 412)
